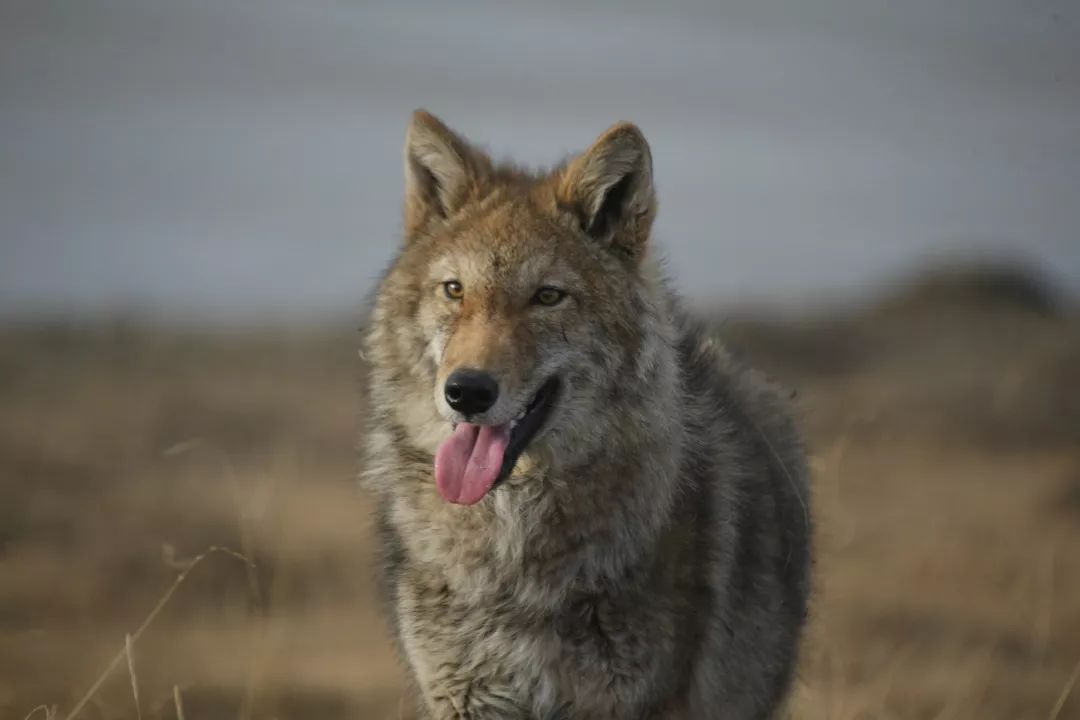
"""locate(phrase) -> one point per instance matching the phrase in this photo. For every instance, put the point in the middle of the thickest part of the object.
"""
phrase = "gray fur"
(651, 562)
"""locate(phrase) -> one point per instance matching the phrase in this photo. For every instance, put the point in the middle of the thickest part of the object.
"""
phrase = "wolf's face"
(520, 300)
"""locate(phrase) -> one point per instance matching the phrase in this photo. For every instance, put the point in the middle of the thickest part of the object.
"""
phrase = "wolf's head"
(519, 308)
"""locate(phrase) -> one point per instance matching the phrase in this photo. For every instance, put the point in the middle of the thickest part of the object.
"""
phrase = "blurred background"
(874, 201)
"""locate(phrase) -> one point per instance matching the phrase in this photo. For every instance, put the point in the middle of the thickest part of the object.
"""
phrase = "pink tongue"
(469, 461)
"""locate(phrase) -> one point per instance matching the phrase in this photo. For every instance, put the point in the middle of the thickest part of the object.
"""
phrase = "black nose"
(471, 392)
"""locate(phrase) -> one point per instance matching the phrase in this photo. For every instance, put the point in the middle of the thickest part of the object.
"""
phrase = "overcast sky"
(242, 158)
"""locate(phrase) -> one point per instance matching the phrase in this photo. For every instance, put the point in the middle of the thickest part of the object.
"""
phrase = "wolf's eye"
(453, 289)
(548, 296)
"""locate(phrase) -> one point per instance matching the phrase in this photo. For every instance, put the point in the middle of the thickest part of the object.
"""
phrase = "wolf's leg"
(471, 700)
(559, 713)
(462, 668)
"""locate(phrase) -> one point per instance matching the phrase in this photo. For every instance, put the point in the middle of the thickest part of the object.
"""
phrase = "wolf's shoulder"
(709, 365)
(733, 398)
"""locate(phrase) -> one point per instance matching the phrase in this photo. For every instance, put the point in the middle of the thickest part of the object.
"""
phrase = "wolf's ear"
(610, 188)
(441, 170)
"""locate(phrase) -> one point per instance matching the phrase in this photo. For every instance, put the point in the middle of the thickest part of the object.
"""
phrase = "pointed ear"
(441, 171)
(610, 188)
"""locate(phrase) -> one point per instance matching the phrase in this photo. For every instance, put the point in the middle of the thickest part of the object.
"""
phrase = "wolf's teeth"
(515, 421)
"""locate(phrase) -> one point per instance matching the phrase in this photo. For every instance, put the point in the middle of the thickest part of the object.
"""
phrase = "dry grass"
(945, 446)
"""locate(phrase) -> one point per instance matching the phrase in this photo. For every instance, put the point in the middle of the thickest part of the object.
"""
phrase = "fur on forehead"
(496, 262)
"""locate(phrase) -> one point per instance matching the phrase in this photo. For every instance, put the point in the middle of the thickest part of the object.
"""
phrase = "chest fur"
(600, 656)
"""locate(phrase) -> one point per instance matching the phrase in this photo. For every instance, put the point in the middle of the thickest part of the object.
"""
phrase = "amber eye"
(453, 289)
(548, 296)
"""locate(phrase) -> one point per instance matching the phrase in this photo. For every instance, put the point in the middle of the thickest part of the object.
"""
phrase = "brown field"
(944, 427)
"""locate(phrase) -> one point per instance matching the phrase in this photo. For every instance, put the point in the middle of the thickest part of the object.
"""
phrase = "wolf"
(586, 508)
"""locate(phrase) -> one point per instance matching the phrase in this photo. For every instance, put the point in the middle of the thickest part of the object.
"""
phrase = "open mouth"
(475, 458)
(524, 428)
